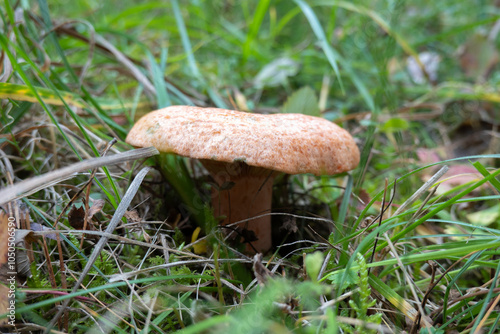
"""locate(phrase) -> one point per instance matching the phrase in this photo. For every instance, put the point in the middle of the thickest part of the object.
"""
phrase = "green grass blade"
(254, 28)
(452, 281)
(83, 292)
(5, 43)
(440, 208)
(399, 302)
(484, 172)
(467, 248)
(333, 56)
(174, 169)
(24, 93)
(186, 43)
(376, 18)
(5, 46)
(44, 10)
(344, 206)
(163, 100)
(320, 35)
(487, 300)
(377, 197)
(206, 324)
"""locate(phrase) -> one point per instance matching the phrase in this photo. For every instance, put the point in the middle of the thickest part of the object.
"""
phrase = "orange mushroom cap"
(289, 143)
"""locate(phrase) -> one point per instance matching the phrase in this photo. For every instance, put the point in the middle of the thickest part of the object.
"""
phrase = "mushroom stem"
(244, 192)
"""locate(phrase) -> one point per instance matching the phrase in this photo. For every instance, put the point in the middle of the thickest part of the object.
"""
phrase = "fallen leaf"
(40, 228)
(146, 236)
(132, 216)
(428, 156)
(76, 217)
(4, 304)
(24, 235)
(485, 217)
(478, 57)
(430, 62)
(458, 175)
(290, 225)
(363, 199)
(260, 271)
(241, 100)
(4, 237)
(304, 101)
(201, 246)
(276, 73)
(95, 208)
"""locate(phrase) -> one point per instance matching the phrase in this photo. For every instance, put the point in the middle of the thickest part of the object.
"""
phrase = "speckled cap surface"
(289, 143)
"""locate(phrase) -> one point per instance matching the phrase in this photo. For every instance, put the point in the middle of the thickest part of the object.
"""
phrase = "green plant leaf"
(395, 125)
(347, 278)
(304, 101)
(314, 262)
(485, 217)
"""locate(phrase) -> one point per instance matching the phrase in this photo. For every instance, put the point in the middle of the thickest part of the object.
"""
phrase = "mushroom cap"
(289, 143)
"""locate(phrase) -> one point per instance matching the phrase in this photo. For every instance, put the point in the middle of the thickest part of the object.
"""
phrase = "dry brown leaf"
(428, 156)
(430, 63)
(478, 57)
(363, 199)
(132, 216)
(95, 208)
(457, 174)
(4, 304)
(4, 237)
(76, 217)
(40, 228)
(10, 236)
(290, 225)
(146, 236)
(260, 271)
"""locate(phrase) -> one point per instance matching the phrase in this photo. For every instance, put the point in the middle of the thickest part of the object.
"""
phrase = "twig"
(32, 185)
(128, 64)
(422, 189)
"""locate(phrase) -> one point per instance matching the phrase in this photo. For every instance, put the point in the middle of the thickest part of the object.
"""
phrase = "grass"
(374, 250)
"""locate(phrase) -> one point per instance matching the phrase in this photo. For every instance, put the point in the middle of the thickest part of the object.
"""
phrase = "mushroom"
(244, 152)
